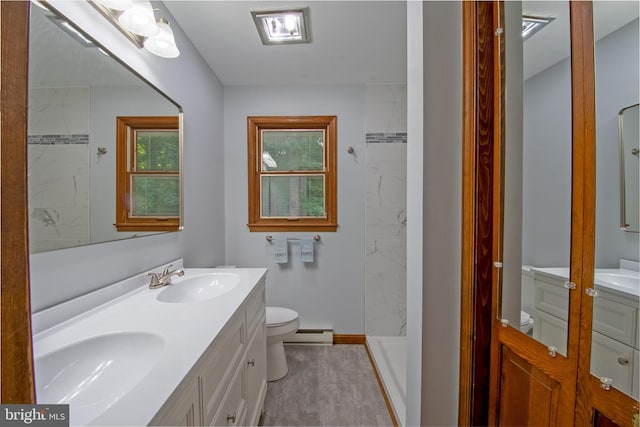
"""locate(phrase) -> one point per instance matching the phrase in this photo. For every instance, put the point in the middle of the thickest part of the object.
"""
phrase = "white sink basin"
(629, 283)
(93, 374)
(199, 288)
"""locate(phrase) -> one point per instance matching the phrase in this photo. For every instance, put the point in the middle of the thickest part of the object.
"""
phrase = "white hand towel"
(306, 249)
(281, 250)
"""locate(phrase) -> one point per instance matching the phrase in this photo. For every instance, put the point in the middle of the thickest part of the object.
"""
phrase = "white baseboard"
(311, 336)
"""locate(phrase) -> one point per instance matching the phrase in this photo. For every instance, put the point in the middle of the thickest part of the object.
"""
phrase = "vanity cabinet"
(227, 386)
(615, 337)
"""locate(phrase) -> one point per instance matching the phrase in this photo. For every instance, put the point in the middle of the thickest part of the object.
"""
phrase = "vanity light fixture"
(138, 23)
(283, 26)
(532, 24)
(139, 19)
(117, 4)
(163, 43)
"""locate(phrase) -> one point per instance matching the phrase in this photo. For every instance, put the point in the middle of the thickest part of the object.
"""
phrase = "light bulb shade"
(139, 19)
(117, 4)
(163, 43)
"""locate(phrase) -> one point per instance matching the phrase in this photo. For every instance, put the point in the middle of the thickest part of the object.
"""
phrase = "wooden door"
(529, 383)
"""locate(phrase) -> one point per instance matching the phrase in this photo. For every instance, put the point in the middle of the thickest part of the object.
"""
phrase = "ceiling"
(551, 44)
(353, 42)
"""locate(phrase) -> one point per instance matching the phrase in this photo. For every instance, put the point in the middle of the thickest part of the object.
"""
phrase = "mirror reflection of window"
(147, 174)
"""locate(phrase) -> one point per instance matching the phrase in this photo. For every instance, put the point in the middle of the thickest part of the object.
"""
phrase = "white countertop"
(605, 279)
(186, 328)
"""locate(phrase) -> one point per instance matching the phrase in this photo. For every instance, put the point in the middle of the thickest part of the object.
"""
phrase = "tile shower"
(58, 141)
(386, 218)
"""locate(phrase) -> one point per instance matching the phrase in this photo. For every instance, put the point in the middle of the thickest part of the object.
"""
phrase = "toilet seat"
(278, 316)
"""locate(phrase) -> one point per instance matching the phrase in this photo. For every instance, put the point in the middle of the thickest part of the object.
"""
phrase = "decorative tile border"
(78, 139)
(386, 138)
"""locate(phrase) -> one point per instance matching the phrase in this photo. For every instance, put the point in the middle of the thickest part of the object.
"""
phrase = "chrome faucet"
(164, 279)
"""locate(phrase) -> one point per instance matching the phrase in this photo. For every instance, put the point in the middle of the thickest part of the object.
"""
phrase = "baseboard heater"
(311, 336)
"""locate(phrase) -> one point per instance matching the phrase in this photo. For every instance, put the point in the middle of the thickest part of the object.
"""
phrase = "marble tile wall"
(58, 168)
(386, 166)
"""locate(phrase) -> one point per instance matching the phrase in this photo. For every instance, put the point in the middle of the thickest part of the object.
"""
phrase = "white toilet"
(526, 322)
(281, 324)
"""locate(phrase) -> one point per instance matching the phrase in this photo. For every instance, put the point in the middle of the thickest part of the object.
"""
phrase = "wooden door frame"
(478, 116)
(16, 377)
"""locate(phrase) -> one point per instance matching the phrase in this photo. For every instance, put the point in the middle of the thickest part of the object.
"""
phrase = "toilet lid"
(277, 316)
(524, 317)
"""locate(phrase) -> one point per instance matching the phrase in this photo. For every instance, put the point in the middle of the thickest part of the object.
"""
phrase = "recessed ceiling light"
(532, 24)
(283, 26)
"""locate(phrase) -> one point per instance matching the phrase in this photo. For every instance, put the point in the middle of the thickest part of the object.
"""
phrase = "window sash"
(262, 143)
(308, 200)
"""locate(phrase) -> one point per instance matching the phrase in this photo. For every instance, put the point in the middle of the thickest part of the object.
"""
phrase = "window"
(292, 173)
(148, 174)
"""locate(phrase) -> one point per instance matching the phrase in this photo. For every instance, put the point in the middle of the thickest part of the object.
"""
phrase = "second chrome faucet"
(164, 279)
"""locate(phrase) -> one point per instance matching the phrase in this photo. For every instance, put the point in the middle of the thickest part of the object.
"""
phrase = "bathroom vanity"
(616, 323)
(190, 353)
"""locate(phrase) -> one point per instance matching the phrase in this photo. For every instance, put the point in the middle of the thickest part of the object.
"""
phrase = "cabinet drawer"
(550, 331)
(615, 320)
(256, 373)
(219, 366)
(182, 408)
(612, 359)
(552, 299)
(255, 308)
(232, 411)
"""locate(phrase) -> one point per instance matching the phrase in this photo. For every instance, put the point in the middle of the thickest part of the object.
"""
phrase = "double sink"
(96, 367)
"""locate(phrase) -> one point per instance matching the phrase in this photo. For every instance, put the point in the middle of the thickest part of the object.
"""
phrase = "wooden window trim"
(125, 127)
(255, 125)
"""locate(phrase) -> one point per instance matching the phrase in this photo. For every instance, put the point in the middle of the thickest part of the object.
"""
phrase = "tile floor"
(326, 386)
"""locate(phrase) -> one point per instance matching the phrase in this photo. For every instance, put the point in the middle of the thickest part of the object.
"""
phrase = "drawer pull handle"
(252, 362)
(553, 351)
(231, 418)
(623, 361)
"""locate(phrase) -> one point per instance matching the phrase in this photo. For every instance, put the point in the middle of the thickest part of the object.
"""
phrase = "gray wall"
(512, 226)
(441, 221)
(546, 169)
(328, 293)
(60, 275)
(547, 155)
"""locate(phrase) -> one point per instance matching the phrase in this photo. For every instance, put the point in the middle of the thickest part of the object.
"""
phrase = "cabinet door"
(182, 409)
(220, 364)
(233, 409)
(256, 373)
(550, 331)
(612, 359)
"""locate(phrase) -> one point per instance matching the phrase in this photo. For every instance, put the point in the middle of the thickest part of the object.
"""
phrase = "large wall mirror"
(536, 287)
(76, 93)
(628, 119)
